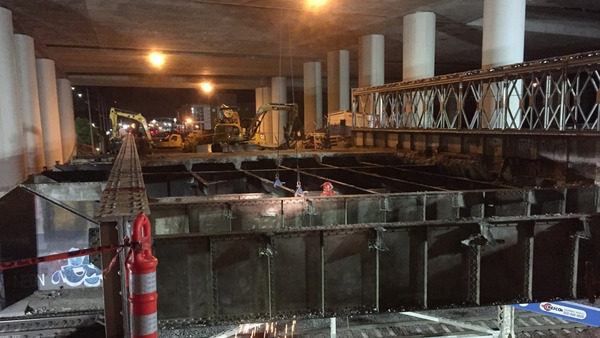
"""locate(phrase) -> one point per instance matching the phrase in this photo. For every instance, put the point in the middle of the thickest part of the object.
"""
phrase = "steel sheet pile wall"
(280, 257)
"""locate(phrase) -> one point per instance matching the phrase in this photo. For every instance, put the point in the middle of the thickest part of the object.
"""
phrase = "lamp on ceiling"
(206, 87)
(157, 59)
(315, 4)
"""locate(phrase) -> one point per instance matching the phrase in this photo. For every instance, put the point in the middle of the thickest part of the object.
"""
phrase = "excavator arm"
(114, 115)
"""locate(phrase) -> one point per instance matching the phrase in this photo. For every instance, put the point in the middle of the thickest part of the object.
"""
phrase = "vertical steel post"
(322, 241)
(547, 102)
(564, 100)
(113, 298)
(505, 102)
(506, 321)
(574, 265)
(377, 280)
(87, 90)
(528, 273)
(475, 274)
(332, 327)
(425, 272)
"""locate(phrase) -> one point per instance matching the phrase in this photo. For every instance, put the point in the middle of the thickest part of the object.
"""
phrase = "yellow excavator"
(229, 129)
(136, 122)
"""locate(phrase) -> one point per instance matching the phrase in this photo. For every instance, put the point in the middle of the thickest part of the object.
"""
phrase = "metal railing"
(555, 94)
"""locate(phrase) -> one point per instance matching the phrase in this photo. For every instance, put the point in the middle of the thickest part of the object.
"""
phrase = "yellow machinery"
(120, 130)
(229, 129)
(171, 141)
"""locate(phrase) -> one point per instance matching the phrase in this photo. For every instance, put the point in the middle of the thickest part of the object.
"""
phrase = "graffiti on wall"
(71, 273)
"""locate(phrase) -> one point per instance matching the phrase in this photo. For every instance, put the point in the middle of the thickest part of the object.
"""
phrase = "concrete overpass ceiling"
(237, 44)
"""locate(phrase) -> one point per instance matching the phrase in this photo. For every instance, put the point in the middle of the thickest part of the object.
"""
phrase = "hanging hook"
(277, 181)
(299, 192)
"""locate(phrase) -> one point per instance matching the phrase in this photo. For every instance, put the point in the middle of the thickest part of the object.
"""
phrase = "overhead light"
(314, 4)
(156, 59)
(207, 87)
(79, 94)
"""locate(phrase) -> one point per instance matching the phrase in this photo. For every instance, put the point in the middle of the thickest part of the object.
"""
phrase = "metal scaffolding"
(555, 94)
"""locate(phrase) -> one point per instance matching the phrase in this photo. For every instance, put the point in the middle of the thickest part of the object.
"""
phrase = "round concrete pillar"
(338, 80)
(313, 97)
(371, 60)
(32, 121)
(12, 144)
(278, 95)
(418, 46)
(263, 96)
(503, 44)
(67, 119)
(503, 32)
(46, 76)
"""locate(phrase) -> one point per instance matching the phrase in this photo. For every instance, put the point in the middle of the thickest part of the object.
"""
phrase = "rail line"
(56, 325)
(525, 325)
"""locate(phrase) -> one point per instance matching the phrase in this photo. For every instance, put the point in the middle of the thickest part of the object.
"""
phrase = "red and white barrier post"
(141, 267)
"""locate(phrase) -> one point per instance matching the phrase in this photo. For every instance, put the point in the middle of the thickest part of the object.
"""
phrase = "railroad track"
(526, 325)
(56, 325)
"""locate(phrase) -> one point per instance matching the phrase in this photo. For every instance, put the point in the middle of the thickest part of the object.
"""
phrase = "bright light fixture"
(207, 87)
(156, 59)
(188, 120)
(313, 4)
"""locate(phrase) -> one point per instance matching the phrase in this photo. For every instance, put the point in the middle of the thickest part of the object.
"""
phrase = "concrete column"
(371, 70)
(418, 46)
(12, 144)
(313, 97)
(67, 119)
(503, 44)
(338, 81)
(32, 121)
(263, 96)
(49, 110)
(418, 58)
(371, 58)
(278, 95)
(503, 32)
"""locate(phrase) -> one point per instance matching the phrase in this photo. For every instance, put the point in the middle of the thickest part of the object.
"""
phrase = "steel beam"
(121, 201)
(357, 268)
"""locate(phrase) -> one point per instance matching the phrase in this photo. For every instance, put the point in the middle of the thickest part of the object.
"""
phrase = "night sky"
(152, 102)
(161, 102)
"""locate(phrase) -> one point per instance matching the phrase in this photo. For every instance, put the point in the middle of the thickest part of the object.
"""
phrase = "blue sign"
(566, 310)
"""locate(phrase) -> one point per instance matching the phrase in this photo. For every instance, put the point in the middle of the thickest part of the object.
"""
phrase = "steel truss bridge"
(559, 93)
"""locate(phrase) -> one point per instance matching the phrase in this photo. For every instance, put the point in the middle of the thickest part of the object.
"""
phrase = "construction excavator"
(136, 123)
(230, 131)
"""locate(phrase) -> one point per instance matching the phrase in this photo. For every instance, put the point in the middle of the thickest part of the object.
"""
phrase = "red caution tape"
(65, 255)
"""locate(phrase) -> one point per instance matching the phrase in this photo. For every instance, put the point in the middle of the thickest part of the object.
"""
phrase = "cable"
(291, 62)
(280, 40)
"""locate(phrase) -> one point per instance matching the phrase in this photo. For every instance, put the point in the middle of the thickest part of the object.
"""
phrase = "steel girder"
(329, 271)
(280, 257)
